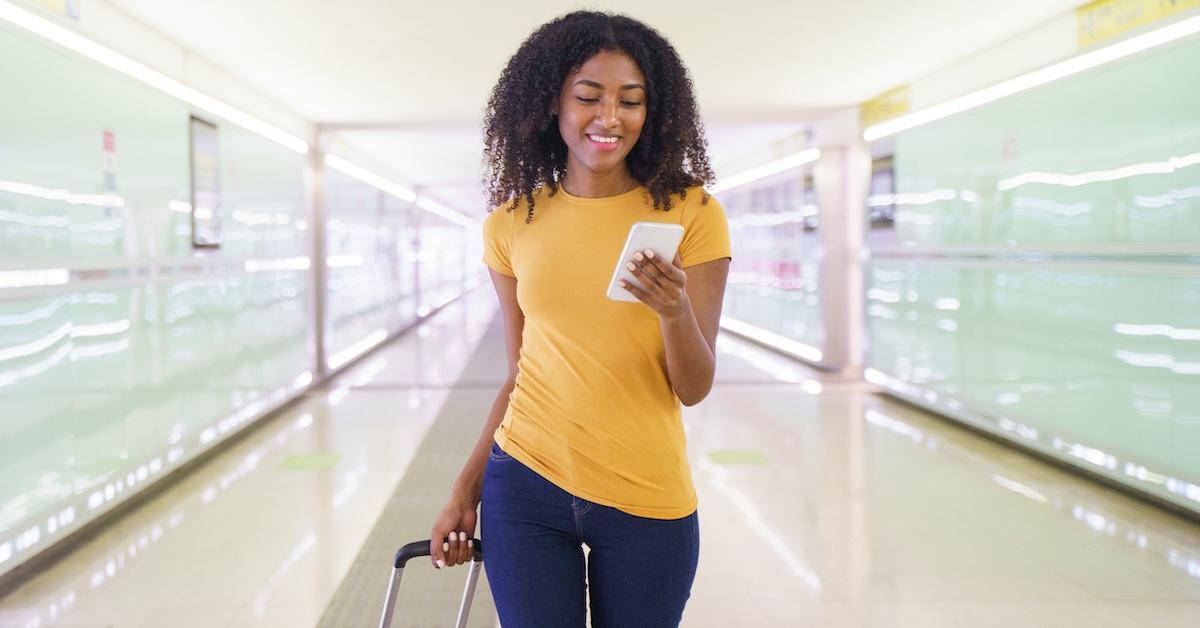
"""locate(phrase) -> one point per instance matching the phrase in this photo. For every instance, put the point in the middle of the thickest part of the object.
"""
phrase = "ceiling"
(407, 81)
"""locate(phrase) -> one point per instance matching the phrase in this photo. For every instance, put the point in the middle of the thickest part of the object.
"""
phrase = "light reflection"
(1166, 200)
(34, 278)
(345, 356)
(920, 198)
(51, 194)
(718, 478)
(306, 543)
(773, 219)
(1020, 489)
(1022, 205)
(1157, 361)
(1169, 166)
(772, 339)
(1133, 535)
(779, 367)
(1168, 331)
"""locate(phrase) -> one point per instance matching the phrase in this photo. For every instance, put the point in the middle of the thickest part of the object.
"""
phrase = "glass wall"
(371, 261)
(1044, 282)
(773, 278)
(124, 351)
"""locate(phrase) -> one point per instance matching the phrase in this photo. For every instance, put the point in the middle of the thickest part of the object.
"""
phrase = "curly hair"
(522, 145)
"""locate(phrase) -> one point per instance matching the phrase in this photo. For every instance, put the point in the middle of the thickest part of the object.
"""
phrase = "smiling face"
(601, 110)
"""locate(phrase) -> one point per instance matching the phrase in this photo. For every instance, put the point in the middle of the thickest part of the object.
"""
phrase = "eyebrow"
(599, 86)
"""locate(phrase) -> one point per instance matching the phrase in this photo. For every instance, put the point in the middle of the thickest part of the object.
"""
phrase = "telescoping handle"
(418, 549)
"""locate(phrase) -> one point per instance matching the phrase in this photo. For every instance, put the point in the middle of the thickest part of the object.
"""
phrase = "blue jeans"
(639, 570)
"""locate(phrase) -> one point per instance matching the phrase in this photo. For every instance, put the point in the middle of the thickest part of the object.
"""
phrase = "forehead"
(609, 66)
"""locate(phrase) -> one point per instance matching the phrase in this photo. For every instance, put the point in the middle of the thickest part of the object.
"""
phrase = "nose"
(607, 114)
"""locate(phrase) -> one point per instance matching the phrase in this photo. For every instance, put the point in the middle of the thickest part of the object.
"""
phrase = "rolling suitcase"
(417, 549)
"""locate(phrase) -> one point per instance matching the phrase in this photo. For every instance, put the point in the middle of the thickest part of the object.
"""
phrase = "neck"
(579, 181)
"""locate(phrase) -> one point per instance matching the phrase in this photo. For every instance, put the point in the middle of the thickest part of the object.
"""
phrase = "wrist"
(680, 312)
(466, 496)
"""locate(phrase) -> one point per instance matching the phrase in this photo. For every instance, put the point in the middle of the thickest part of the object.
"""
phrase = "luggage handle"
(418, 549)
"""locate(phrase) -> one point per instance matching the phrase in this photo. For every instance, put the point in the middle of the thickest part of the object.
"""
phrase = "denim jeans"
(638, 571)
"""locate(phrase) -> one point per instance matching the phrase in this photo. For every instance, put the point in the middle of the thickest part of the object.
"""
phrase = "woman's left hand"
(663, 286)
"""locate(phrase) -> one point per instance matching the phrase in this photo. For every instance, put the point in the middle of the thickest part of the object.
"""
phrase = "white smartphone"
(659, 237)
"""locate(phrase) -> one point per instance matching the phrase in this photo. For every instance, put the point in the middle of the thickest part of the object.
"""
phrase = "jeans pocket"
(498, 454)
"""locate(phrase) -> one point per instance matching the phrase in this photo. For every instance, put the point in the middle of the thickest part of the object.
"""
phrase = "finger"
(644, 271)
(460, 556)
(639, 293)
(670, 271)
(451, 546)
(662, 272)
(437, 552)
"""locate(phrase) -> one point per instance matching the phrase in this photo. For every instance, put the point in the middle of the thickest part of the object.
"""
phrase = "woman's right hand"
(451, 540)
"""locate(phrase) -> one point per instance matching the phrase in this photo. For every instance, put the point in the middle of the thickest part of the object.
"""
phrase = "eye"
(630, 103)
(587, 100)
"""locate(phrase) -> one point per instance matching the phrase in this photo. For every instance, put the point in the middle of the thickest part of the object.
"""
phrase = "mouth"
(603, 142)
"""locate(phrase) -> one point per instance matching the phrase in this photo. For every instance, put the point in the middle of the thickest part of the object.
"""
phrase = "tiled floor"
(822, 504)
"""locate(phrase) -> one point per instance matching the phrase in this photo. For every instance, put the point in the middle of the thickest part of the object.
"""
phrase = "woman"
(592, 127)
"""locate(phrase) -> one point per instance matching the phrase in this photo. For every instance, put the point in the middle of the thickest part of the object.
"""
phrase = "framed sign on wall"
(206, 184)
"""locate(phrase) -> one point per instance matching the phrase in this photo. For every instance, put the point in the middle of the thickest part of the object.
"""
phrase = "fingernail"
(471, 543)
(441, 564)
(462, 536)
(445, 547)
(638, 257)
(631, 266)
(650, 254)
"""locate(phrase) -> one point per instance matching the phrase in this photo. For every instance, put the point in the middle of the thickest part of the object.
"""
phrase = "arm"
(459, 514)
(688, 303)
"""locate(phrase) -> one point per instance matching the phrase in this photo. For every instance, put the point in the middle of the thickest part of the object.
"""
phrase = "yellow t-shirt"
(593, 411)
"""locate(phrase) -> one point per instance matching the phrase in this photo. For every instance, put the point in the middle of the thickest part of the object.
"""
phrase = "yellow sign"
(1104, 19)
(890, 104)
(68, 8)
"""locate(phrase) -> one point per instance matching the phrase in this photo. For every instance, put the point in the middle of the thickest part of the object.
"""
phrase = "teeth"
(605, 140)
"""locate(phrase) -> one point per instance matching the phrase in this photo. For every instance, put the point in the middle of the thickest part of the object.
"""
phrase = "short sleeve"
(497, 241)
(705, 230)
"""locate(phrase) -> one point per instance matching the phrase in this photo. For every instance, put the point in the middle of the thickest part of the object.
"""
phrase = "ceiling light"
(94, 51)
(754, 174)
(399, 191)
(1036, 78)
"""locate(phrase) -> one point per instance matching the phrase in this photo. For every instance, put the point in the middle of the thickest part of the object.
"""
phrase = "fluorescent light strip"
(1036, 78)
(766, 170)
(430, 205)
(92, 50)
(399, 191)
(772, 339)
(370, 178)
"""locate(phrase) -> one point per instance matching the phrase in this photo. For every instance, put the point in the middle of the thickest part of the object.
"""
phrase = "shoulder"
(696, 202)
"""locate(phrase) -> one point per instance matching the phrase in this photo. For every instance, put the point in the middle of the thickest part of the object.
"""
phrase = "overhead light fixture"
(75, 42)
(1048, 74)
(370, 178)
(399, 191)
(761, 172)
(433, 206)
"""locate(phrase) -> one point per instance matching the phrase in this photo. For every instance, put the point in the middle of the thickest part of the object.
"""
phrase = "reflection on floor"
(822, 504)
